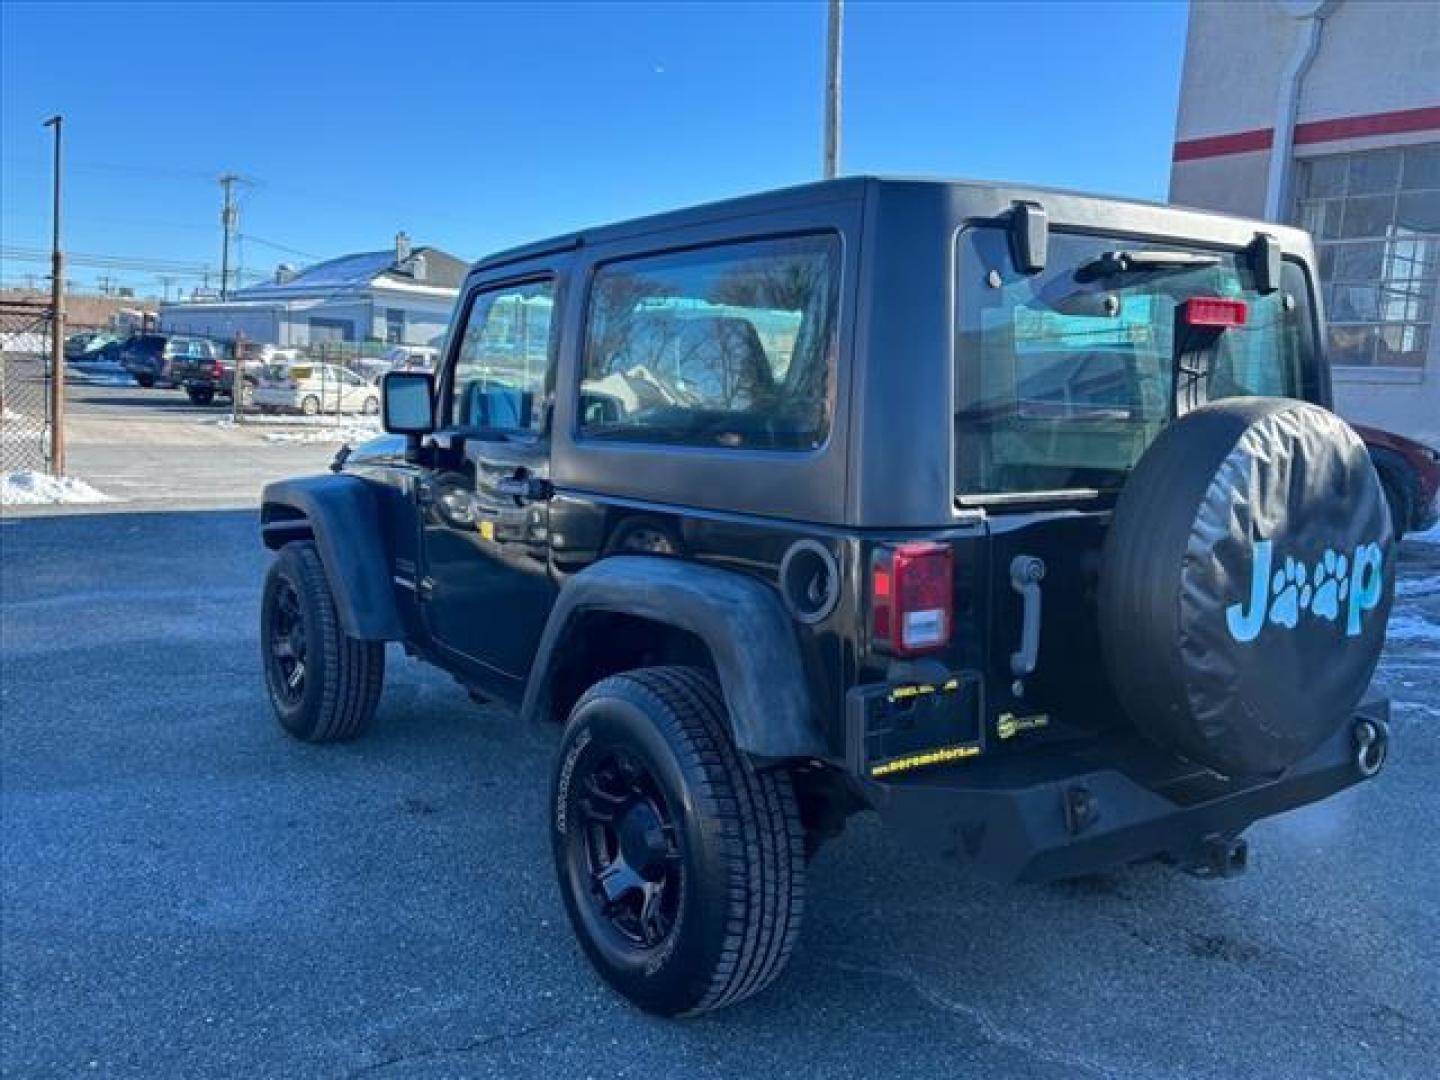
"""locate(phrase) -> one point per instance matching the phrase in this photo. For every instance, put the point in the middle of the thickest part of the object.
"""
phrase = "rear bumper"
(1063, 813)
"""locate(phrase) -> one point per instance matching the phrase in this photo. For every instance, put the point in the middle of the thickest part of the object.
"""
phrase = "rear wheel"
(324, 685)
(145, 381)
(371, 406)
(311, 405)
(681, 867)
(200, 395)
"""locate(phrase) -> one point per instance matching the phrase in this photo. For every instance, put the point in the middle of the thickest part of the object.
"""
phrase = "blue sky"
(477, 126)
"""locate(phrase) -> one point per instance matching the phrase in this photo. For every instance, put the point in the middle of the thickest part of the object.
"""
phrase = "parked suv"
(1016, 516)
(151, 359)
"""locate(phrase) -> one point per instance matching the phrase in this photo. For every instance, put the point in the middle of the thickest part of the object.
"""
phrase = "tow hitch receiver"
(1214, 857)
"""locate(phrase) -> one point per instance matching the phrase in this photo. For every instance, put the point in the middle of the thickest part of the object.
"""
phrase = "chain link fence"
(24, 387)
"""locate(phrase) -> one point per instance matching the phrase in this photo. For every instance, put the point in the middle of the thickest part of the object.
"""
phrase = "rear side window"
(728, 346)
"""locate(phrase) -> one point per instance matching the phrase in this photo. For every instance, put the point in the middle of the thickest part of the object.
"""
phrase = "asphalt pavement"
(188, 892)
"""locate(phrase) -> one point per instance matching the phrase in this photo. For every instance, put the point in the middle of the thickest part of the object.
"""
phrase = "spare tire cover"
(1245, 585)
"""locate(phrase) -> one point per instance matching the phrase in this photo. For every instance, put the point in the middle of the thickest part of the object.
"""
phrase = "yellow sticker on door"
(486, 528)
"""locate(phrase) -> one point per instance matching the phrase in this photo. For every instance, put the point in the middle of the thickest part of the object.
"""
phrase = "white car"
(315, 388)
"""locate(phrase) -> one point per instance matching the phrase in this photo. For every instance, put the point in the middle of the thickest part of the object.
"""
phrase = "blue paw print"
(1332, 585)
(1291, 594)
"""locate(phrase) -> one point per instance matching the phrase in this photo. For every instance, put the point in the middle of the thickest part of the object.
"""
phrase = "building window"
(1375, 216)
(394, 326)
(325, 331)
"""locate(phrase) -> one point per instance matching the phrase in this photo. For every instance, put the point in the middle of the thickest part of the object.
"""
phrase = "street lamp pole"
(832, 89)
(57, 323)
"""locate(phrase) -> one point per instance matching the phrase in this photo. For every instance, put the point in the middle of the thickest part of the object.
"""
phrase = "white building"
(1326, 113)
(401, 296)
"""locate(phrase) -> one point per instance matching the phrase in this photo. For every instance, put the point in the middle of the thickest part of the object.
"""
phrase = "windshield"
(1064, 377)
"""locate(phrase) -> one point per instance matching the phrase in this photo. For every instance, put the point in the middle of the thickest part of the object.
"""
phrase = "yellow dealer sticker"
(487, 529)
(901, 693)
(929, 757)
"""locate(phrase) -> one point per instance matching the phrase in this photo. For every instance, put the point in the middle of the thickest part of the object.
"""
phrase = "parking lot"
(147, 448)
(186, 890)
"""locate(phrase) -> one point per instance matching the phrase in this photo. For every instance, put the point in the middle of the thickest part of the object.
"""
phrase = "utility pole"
(832, 89)
(57, 323)
(229, 218)
(166, 280)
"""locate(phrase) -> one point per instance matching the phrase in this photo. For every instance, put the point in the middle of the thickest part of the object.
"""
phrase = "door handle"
(1026, 571)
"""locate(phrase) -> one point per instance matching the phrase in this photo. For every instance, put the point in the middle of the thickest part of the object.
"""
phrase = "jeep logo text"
(1336, 585)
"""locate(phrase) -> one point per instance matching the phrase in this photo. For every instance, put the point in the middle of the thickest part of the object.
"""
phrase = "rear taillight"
(912, 597)
(1215, 312)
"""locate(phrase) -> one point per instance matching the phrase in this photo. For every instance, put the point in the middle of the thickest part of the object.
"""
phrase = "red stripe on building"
(1357, 127)
(1241, 142)
(1399, 122)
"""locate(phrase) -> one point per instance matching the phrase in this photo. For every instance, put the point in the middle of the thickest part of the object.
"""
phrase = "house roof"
(367, 269)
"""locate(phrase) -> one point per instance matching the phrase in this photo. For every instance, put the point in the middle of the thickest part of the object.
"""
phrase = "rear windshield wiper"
(1112, 263)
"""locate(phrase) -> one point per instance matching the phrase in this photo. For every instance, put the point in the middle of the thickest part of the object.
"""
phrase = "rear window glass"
(725, 346)
(1064, 377)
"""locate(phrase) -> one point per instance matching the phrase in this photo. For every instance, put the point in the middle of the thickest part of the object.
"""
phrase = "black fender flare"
(342, 514)
(741, 621)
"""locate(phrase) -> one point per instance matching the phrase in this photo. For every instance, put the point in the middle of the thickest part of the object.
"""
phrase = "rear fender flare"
(741, 621)
(342, 515)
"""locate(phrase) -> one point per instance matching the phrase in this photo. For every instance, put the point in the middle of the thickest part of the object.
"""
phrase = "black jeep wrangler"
(1014, 515)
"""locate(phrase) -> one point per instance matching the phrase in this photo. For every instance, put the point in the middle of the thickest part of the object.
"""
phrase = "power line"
(251, 238)
(141, 264)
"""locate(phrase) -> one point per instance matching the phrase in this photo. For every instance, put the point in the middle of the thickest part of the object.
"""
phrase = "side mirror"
(407, 403)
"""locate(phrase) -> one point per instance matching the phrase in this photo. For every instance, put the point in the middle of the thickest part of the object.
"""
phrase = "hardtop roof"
(851, 188)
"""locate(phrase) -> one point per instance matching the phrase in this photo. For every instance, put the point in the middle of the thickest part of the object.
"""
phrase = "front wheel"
(311, 405)
(682, 868)
(145, 382)
(199, 396)
(324, 685)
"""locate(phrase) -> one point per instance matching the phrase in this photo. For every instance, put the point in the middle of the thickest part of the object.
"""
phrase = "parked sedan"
(315, 388)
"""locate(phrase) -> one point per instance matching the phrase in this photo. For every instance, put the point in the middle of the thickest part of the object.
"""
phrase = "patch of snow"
(1427, 586)
(259, 419)
(1407, 627)
(10, 416)
(98, 377)
(333, 434)
(29, 488)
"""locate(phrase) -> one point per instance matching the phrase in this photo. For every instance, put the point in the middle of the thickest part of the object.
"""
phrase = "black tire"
(730, 879)
(200, 396)
(340, 677)
(146, 382)
(370, 407)
(310, 405)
